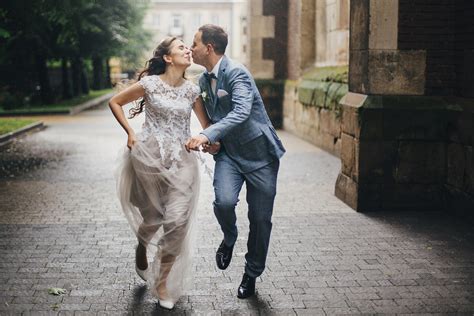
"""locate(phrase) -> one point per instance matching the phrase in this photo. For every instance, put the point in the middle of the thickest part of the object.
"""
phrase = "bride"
(158, 180)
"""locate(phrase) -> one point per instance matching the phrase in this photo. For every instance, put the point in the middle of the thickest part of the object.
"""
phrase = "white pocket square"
(221, 93)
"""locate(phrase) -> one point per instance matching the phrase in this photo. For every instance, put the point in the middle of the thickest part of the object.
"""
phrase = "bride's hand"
(131, 140)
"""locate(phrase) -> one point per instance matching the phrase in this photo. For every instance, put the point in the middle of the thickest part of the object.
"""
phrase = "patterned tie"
(209, 76)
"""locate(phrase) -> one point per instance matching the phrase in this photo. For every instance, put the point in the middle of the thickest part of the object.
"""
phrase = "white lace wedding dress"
(158, 182)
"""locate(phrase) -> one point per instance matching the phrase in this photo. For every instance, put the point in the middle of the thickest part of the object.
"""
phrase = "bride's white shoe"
(141, 273)
(168, 304)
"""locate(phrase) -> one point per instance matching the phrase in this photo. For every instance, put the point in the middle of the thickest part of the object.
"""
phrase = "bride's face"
(180, 54)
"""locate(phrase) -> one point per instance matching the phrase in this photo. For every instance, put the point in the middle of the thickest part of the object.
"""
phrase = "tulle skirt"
(159, 198)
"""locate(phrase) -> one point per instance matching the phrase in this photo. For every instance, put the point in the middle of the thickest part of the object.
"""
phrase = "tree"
(76, 32)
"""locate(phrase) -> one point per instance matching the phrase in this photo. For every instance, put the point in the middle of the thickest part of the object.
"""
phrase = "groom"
(250, 151)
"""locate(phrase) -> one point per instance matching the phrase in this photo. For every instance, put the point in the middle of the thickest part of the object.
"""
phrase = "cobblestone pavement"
(60, 226)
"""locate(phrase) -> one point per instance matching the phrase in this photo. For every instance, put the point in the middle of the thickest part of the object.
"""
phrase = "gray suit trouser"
(261, 191)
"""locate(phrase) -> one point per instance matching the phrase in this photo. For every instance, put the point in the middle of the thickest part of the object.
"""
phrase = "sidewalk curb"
(8, 137)
(72, 111)
(90, 104)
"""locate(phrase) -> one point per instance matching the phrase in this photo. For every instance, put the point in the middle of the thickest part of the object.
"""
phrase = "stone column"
(308, 34)
(294, 39)
(376, 64)
(321, 33)
(392, 142)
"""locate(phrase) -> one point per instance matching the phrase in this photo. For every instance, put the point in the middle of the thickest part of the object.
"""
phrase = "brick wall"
(464, 48)
(445, 30)
(429, 25)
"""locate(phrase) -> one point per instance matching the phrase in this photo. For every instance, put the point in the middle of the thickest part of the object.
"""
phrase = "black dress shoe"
(223, 256)
(247, 287)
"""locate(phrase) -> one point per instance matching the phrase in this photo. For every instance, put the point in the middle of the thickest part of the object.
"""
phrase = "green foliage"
(8, 125)
(99, 28)
(339, 74)
(323, 87)
(38, 34)
(56, 291)
(321, 94)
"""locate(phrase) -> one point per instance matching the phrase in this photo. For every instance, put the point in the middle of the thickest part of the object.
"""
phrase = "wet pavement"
(60, 226)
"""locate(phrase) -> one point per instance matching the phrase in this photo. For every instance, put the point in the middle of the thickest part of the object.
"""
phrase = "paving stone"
(66, 230)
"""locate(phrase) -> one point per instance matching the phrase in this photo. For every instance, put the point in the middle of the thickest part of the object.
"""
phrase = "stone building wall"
(332, 32)
(407, 125)
(311, 111)
(311, 104)
(460, 130)
(403, 120)
(464, 48)
(182, 18)
(268, 35)
(428, 27)
(268, 31)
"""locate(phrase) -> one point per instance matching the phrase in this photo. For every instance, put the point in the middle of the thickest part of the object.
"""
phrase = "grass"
(60, 107)
(8, 125)
(337, 74)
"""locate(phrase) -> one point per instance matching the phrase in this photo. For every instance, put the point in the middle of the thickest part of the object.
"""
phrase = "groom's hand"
(194, 142)
(211, 148)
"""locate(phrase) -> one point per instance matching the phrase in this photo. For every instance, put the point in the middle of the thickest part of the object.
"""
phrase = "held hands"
(195, 142)
(211, 148)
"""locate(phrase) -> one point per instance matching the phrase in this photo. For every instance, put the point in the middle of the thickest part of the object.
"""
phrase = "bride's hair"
(154, 66)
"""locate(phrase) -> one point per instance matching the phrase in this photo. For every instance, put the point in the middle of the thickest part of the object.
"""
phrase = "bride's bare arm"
(205, 123)
(126, 96)
(201, 113)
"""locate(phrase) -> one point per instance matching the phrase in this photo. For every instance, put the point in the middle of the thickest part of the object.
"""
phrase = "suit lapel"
(208, 100)
(220, 80)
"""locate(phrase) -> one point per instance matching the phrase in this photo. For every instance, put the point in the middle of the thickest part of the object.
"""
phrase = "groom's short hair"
(216, 36)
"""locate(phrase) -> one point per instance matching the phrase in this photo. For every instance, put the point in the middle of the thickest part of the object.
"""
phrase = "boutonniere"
(204, 96)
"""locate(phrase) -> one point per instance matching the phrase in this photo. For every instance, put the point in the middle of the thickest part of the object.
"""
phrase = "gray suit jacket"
(239, 119)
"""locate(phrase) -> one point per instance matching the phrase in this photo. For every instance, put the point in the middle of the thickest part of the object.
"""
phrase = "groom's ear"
(210, 48)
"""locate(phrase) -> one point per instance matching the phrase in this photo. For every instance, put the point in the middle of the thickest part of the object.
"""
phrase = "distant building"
(183, 18)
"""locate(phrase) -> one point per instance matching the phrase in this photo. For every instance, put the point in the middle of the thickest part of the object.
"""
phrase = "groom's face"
(199, 50)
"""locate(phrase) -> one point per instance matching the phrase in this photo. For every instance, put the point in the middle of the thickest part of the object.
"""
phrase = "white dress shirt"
(215, 71)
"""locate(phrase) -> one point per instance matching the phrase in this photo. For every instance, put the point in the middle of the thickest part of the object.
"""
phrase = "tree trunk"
(65, 79)
(43, 78)
(84, 80)
(76, 76)
(98, 71)
(108, 82)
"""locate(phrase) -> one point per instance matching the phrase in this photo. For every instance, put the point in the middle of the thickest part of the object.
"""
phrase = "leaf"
(4, 33)
(56, 291)
(55, 306)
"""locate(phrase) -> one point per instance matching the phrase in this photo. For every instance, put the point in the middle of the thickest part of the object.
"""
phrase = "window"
(156, 19)
(176, 25)
(197, 20)
(176, 20)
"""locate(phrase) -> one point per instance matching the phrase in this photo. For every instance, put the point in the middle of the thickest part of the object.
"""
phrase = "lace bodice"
(167, 115)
